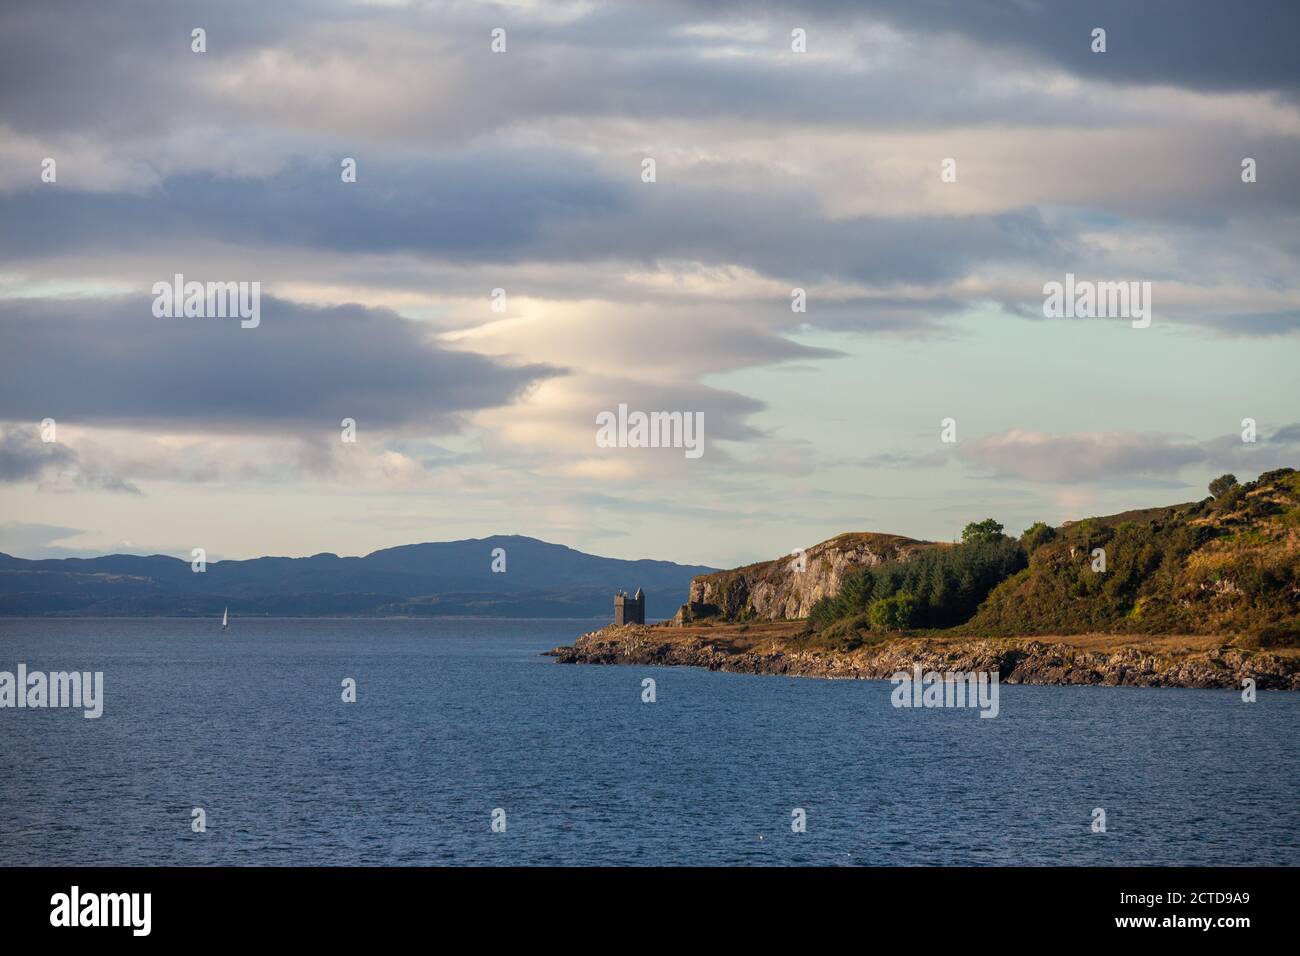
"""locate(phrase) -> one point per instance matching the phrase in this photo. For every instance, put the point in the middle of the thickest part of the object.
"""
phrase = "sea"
(465, 746)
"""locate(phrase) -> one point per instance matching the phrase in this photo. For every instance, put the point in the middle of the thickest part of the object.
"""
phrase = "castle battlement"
(629, 610)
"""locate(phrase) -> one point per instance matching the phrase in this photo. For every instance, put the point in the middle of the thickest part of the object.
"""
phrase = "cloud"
(32, 539)
(808, 170)
(518, 205)
(1286, 435)
(891, 459)
(1084, 457)
(521, 171)
(109, 361)
(25, 457)
(396, 74)
(1253, 324)
(132, 53)
(1080, 457)
(1202, 44)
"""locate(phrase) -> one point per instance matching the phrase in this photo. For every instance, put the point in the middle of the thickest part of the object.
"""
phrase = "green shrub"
(1036, 535)
(944, 585)
(892, 613)
(1221, 484)
(986, 530)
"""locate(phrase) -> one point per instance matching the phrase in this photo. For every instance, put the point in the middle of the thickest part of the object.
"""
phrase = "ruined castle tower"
(629, 610)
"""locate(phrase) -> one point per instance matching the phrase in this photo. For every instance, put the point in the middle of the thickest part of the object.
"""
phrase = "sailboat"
(225, 619)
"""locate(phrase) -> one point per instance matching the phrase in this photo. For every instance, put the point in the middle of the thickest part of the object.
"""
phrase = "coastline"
(1102, 660)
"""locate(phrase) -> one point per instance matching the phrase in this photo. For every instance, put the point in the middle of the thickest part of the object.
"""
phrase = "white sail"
(225, 618)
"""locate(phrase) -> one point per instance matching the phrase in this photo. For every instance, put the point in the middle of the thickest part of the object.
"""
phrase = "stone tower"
(629, 610)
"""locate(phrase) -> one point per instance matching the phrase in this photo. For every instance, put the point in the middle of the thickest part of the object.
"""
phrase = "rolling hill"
(435, 578)
(1226, 565)
(1229, 564)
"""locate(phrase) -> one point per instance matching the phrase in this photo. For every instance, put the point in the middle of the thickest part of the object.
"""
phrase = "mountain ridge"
(541, 579)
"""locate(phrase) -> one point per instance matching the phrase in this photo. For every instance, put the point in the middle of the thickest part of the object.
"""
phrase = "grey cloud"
(1083, 457)
(1105, 459)
(626, 60)
(1122, 458)
(889, 459)
(885, 313)
(110, 361)
(25, 457)
(1200, 44)
(35, 540)
(467, 207)
(1287, 435)
(500, 203)
(621, 60)
(1252, 324)
(525, 206)
(1278, 449)
(86, 65)
(788, 238)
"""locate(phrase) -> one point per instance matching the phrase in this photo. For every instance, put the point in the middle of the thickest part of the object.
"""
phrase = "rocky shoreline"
(1017, 660)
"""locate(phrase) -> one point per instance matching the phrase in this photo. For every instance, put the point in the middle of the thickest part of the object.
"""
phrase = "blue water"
(456, 718)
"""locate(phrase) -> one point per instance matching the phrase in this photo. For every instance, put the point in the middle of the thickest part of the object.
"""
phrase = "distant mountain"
(435, 578)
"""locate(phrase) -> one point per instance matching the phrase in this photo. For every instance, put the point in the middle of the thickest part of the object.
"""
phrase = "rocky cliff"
(788, 587)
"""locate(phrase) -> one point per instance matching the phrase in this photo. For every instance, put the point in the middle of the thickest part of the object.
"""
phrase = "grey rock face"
(779, 590)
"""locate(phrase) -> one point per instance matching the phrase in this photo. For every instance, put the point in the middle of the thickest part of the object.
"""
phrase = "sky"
(920, 170)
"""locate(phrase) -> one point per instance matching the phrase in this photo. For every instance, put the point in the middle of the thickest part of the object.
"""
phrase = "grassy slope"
(1221, 566)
